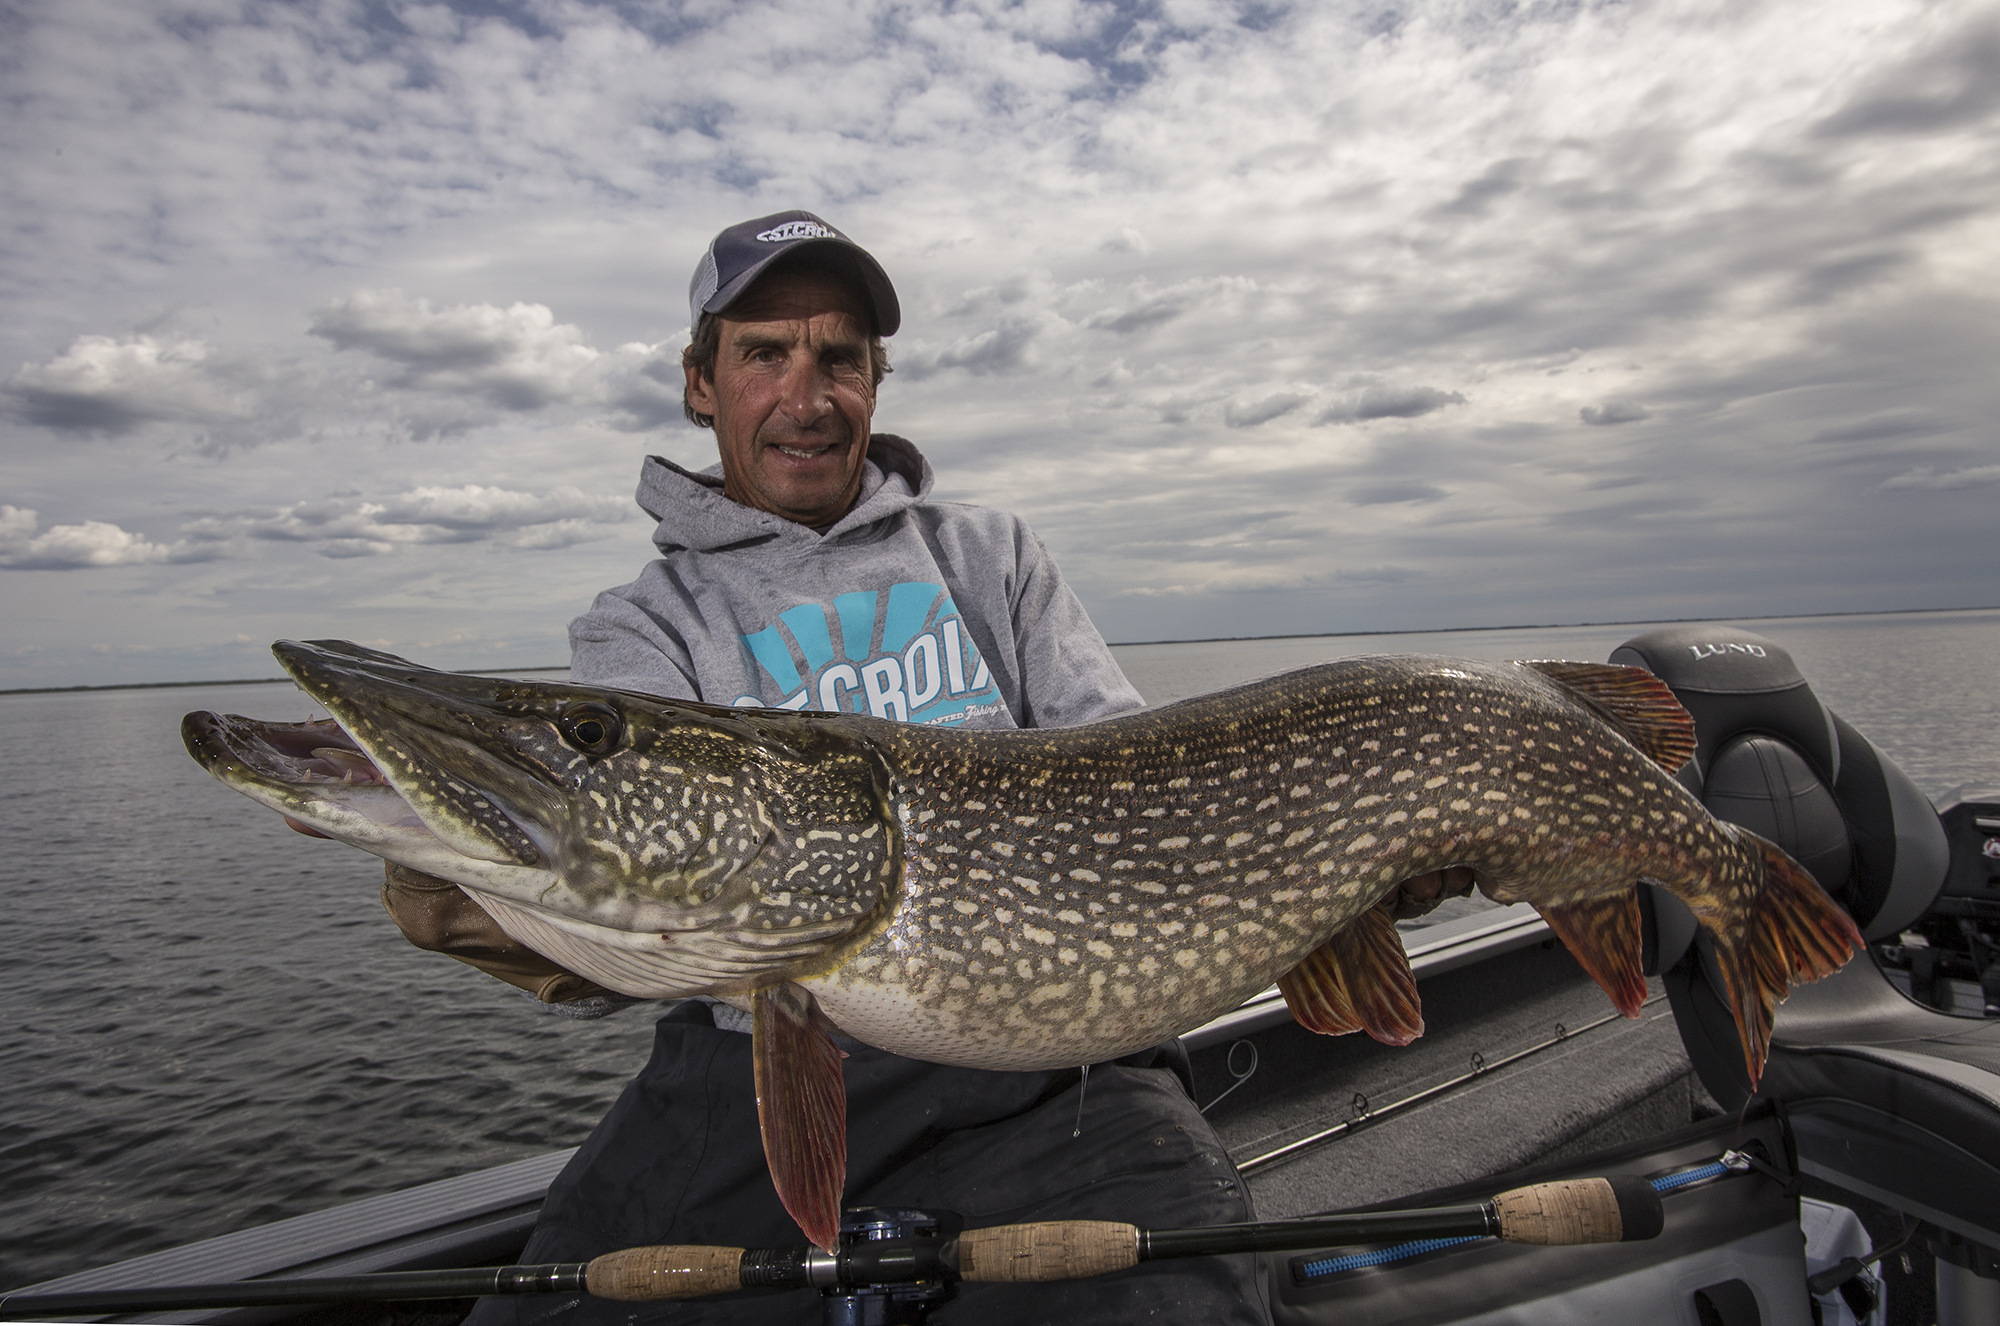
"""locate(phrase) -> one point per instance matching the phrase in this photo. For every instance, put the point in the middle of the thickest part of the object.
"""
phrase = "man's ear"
(700, 391)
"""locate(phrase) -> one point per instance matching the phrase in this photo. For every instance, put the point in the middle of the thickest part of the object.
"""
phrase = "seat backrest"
(1773, 758)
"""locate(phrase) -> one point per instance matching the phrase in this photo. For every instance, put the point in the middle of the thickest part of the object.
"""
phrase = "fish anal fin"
(1793, 933)
(1604, 937)
(1638, 704)
(801, 1107)
(1358, 980)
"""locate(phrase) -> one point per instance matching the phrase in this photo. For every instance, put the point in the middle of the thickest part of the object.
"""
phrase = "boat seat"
(1886, 1097)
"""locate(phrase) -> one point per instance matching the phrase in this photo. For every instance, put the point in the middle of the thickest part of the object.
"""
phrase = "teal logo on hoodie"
(902, 654)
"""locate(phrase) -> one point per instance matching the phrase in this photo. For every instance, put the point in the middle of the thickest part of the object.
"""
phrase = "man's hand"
(1420, 893)
(436, 915)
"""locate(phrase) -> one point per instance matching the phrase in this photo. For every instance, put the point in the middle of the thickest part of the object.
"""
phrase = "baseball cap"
(738, 255)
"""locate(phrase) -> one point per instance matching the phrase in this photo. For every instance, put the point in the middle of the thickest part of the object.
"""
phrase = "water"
(210, 1024)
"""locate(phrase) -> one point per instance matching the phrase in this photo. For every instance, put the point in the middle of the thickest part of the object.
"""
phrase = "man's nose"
(808, 392)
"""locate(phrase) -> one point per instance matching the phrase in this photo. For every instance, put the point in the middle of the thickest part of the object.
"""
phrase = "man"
(812, 570)
(816, 532)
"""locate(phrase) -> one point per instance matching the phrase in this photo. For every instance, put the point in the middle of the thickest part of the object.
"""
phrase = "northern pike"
(1038, 898)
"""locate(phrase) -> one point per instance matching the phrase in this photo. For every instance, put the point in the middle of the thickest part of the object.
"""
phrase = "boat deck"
(1525, 1060)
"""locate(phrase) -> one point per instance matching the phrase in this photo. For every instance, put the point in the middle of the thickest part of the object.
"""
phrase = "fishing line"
(1082, 1085)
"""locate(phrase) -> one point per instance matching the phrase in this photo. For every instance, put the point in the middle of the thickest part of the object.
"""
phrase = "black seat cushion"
(1767, 787)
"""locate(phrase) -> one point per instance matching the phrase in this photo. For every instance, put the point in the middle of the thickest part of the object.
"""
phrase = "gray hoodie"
(920, 611)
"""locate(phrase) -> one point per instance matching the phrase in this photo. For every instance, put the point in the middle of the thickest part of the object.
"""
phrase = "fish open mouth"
(317, 751)
(299, 767)
(317, 777)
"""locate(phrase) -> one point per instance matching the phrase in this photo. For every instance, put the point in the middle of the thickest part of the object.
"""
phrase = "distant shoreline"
(1118, 644)
(229, 681)
(1548, 626)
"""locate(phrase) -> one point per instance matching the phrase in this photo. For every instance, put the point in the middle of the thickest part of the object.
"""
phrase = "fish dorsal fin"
(1603, 935)
(801, 1107)
(1358, 980)
(1638, 704)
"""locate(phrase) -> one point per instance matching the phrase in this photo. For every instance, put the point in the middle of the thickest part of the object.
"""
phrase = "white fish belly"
(631, 964)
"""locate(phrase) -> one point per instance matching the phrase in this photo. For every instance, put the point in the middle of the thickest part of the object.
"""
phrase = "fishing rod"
(886, 1247)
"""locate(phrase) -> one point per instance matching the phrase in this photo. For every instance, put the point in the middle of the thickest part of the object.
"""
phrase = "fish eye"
(593, 729)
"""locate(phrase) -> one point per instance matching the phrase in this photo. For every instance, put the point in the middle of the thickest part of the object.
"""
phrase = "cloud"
(1951, 84)
(473, 507)
(1380, 402)
(1127, 239)
(1479, 196)
(1614, 412)
(353, 526)
(452, 370)
(1262, 409)
(642, 386)
(1006, 348)
(1145, 308)
(92, 543)
(1377, 575)
(1884, 425)
(1395, 490)
(518, 358)
(111, 386)
(467, 366)
(1976, 477)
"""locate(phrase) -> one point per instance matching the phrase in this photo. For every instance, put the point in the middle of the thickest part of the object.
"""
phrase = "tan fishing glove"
(434, 914)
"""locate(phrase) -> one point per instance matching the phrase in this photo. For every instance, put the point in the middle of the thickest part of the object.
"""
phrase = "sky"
(357, 320)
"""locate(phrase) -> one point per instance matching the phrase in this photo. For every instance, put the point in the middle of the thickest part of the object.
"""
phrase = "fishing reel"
(890, 1268)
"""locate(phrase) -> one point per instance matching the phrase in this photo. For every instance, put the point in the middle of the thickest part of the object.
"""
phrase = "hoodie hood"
(695, 516)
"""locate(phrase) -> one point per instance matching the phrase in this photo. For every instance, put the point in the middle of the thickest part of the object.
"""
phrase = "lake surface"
(209, 1023)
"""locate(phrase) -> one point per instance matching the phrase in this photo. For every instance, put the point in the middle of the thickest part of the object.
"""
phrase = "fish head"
(321, 781)
(659, 847)
(630, 812)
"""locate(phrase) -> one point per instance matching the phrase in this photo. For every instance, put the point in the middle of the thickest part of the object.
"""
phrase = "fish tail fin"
(1792, 933)
(1603, 935)
(801, 1107)
(1358, 980)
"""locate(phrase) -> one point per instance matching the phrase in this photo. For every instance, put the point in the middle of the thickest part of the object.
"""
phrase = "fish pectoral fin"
(801, 1107)
(1794, 933)
(1603, 935)
(1638, 704)
(1358, 980)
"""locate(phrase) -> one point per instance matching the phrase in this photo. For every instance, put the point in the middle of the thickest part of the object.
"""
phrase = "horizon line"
(1115, 644)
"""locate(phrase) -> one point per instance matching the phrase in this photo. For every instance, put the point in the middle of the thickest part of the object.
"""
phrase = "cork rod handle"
(648, 1274)
(1050, 1250)
(1564, 1212)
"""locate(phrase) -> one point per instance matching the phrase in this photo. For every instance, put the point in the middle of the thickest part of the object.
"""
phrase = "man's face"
(792, 397)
